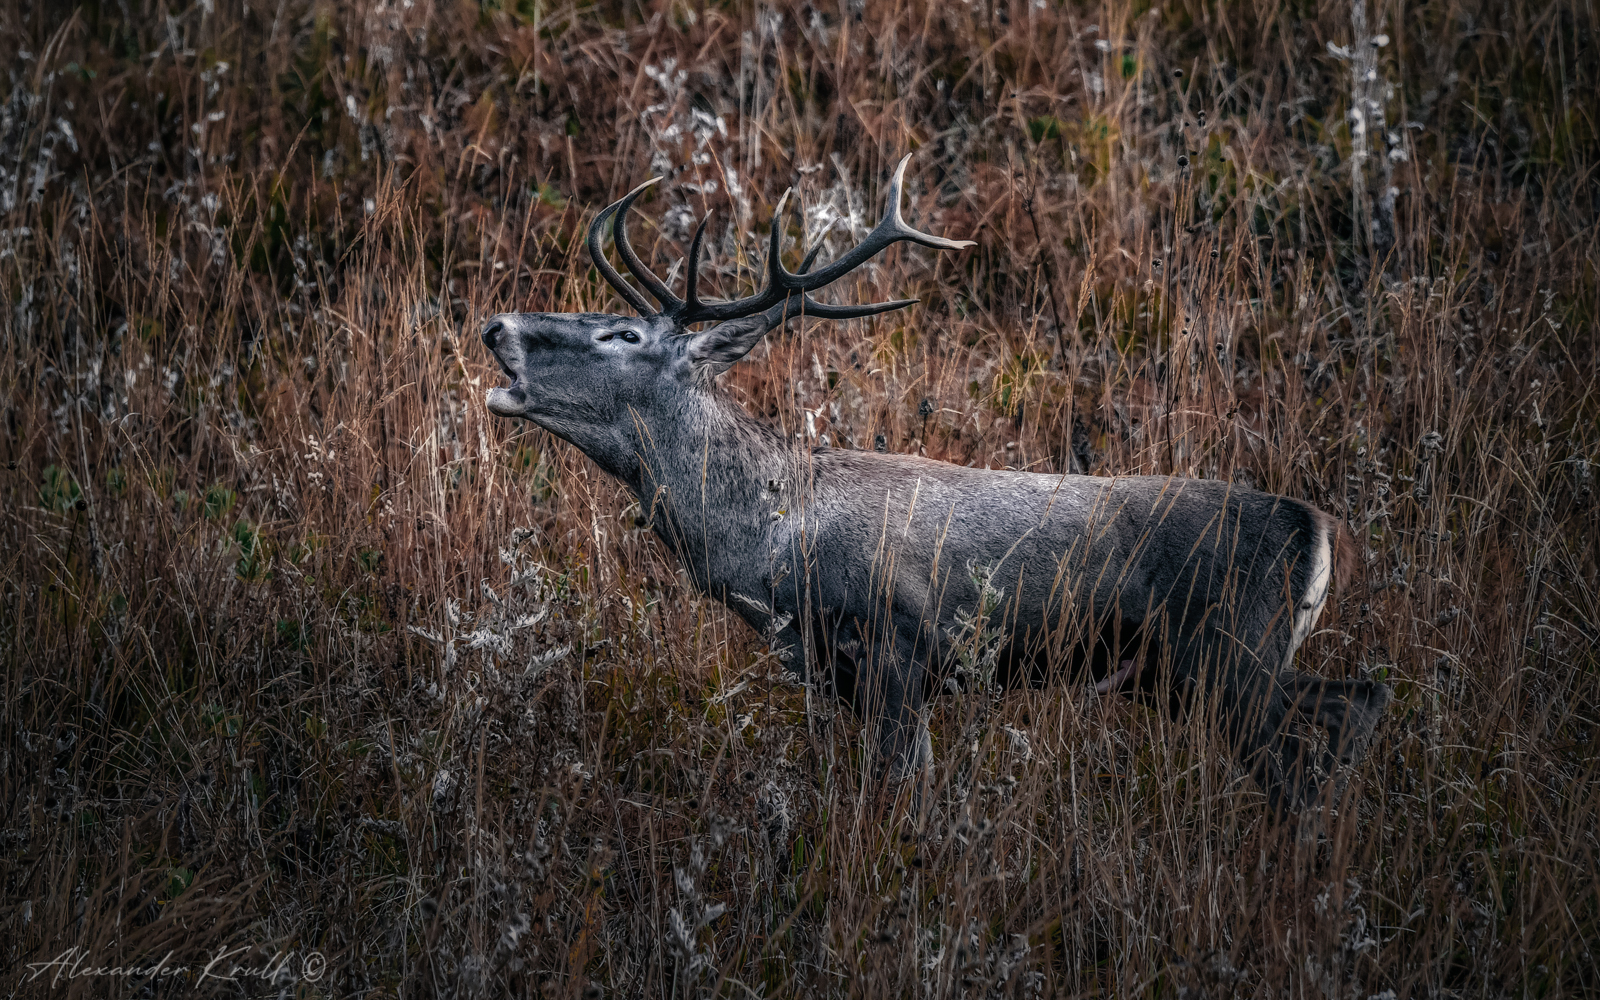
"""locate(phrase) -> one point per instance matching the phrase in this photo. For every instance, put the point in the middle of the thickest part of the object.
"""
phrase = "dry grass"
(305, 652)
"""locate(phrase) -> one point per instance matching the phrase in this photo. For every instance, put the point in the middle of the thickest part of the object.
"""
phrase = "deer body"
(866, 568)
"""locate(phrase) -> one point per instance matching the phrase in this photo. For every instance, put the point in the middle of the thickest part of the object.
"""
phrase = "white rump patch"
(1318, 582)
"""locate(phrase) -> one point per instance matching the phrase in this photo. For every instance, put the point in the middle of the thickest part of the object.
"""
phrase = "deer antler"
(780, 284)
(617, 211)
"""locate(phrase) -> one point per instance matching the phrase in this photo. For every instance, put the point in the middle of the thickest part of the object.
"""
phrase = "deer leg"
(1255, 713)
(1294, 769)
(890, 695)
(1253, 705)
(837, 653)
(1349, 710)
(788, 645)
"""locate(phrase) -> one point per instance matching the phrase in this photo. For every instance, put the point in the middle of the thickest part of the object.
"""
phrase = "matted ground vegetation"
(305, 652)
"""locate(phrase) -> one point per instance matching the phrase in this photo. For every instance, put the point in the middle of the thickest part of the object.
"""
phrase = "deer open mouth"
(509, 400)
(504, 367)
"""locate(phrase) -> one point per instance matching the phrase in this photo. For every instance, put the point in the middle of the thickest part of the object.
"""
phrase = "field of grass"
(307, 655)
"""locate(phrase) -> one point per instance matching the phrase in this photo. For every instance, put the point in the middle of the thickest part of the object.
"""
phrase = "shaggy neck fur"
(713, 481)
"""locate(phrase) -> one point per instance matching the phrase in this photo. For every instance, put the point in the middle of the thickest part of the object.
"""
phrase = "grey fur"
(859, 563)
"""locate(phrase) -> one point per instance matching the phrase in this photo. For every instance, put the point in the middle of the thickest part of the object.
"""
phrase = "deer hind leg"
(1260, 711)
(1295, 768)
(883, 682)
(1265, 708)
(1256, 712)
(1211, 667)
(1348, 710)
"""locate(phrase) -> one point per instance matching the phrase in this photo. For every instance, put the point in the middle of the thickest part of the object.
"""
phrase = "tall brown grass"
(305, 652)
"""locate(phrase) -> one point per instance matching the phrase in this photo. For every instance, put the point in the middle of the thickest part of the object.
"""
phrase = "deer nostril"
(491, 334)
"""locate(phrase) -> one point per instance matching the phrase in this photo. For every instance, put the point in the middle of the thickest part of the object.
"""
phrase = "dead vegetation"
(306, 653)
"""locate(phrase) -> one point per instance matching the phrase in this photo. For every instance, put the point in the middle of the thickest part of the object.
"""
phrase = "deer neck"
(710, 479)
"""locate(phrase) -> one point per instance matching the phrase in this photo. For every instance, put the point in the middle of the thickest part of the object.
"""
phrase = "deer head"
(587, 376)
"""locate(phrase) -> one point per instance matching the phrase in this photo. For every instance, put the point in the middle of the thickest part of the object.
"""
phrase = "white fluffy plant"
(505, 628)
(693, 956)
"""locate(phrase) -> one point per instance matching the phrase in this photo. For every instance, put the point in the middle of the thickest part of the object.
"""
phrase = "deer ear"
(719, 348)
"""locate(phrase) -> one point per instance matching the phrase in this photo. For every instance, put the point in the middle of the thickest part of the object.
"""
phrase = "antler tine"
(781, 284)
(811, 256)
(691, 285)
(773, 292)
(693, 310)
(597, 253)
(821, 310)
(891, 229)
(619, 235)
(693, 307)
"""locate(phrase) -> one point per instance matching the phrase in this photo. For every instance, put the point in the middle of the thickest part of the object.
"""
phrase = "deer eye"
(629, 337)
